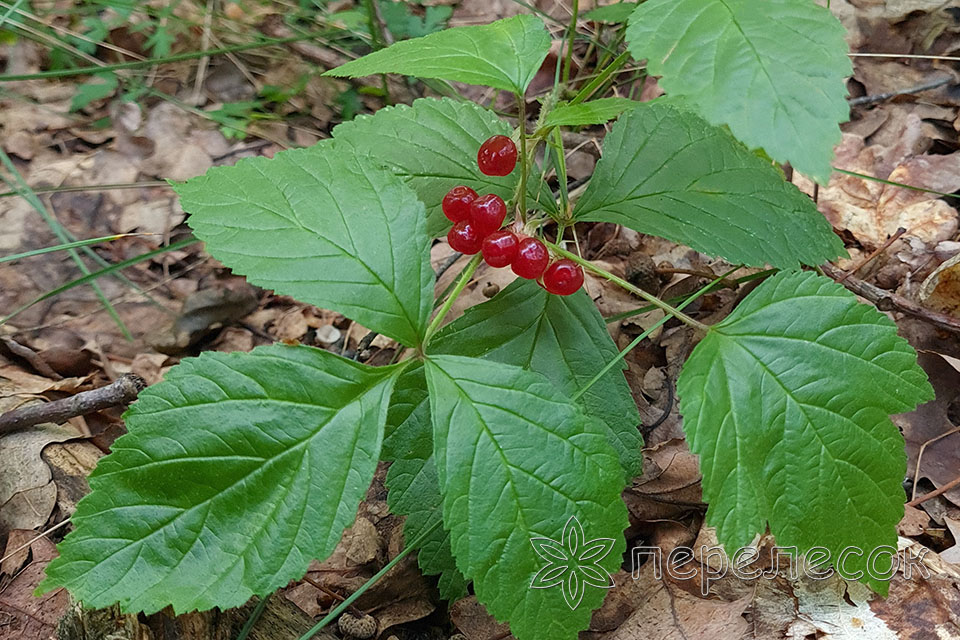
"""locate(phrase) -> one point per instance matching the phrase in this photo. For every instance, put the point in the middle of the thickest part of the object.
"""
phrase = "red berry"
(463, 237)
(500, 248)
(487, 213)
(497, 156)
(563, 277)
(456, 204)
(531, 260)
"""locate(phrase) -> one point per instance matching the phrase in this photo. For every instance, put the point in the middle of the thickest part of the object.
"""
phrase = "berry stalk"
(654, 300)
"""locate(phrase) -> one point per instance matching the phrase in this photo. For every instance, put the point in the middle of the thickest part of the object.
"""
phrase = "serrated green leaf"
(668, 173)
(237, 471)
(774, 71)
(786, 402)
(325, 227)
(504, 55)
(618, 12)
(433, 146)
(562, 337)
(593, 112)
(516, 460)
(414, 490)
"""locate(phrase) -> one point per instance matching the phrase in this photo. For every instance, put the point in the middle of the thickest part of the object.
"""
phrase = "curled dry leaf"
(941, 290)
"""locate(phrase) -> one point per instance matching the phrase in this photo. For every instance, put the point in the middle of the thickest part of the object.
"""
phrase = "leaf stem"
(465, 277)
(630, 347)
(327, 619)
(637, 291)
(602, 77)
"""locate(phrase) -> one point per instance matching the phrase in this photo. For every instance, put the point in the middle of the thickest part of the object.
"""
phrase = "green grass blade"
(62, 235)
(91, 277)
(64, 247)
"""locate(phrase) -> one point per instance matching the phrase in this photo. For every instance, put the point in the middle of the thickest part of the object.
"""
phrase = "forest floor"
(87, 156)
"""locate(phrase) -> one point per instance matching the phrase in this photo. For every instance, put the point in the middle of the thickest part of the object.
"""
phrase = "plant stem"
(602, 77)
(254, 616)
(524, 160)
(327, 619)
(571, 34)
(465, 276)
(630, 347)
(637, 291)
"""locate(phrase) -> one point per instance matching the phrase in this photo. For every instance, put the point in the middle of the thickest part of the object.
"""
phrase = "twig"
(873, 256)
(196, 97)
(923, 447)
(933, 494)
(887, 301)
(121, 392)
(880, 97)
(333, 594)
(31, 357)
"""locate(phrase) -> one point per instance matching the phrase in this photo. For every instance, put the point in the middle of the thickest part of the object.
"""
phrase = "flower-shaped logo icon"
(573, 563)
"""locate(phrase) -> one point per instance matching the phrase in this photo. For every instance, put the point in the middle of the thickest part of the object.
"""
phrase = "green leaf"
(668, 173)
(325, 227)
(593, 112)
(237, 471)
(403, 23)
(561, 337)
(618, 12)
(786, 402)
(414, 490)
(504, 55)
(773, 70)
(516, 460)
(100, 86)
(433, 146)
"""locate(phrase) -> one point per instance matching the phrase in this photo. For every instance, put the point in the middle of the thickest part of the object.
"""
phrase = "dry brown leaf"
(668, 613)
(873, 211)
(940, 463)
(22, 614)
(941, 290)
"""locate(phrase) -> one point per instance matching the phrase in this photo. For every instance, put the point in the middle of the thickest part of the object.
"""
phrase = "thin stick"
(933, 494)
(886, 301)
(880, 97)
(873, 256)
(42, 534)
(923, 447)
(121, 392)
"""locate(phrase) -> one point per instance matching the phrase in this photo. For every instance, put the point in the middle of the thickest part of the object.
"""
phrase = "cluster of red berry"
(477, 221)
